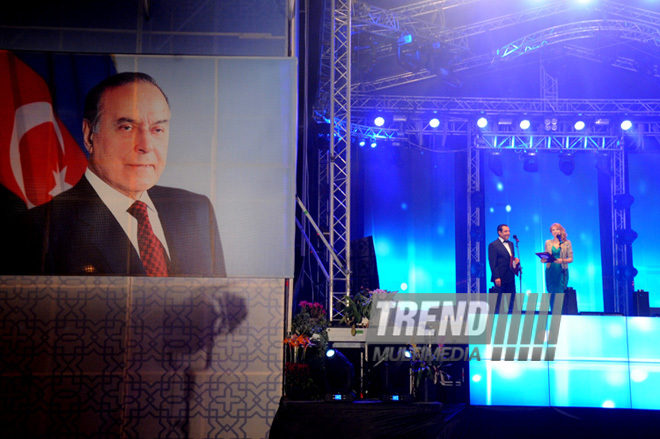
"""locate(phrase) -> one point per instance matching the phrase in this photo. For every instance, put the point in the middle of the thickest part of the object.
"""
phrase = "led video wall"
(530, 202)
(408, 208)
(600, 361)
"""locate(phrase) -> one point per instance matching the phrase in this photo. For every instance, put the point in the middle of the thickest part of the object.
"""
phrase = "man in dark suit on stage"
(501, 260)
(115, 220)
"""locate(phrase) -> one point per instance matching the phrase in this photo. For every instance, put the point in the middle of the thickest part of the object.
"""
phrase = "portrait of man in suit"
(116, 220)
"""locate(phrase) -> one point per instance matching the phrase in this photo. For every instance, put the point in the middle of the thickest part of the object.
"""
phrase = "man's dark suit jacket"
(500, 262)
(76, 234)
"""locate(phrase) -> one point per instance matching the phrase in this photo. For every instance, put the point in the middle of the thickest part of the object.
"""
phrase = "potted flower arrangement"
(304, 350)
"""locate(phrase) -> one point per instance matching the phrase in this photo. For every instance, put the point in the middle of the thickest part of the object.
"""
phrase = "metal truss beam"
(475, 230)
(340, 157)
(622, 286)
(627, 30)
(363, 102)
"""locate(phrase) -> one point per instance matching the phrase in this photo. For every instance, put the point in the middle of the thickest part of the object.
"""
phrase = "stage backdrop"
(530, 202)
(408, 208)
(644, 186)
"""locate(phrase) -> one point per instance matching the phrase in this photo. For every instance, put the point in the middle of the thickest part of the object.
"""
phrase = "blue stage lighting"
(579, 125)
(482, 122)
(373, 144)
(379, 121)
(626, 125)
(524, 124)
(434, 123)
(362, 142)
(330, 353)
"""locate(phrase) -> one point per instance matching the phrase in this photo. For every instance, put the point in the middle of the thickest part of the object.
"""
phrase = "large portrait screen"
(147, 165)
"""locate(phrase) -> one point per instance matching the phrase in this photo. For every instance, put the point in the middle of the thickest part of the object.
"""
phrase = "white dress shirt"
(506, 244)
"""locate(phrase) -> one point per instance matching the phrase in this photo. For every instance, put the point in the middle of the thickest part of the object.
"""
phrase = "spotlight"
(379, 121)
(626, 125)
(550, 124)
(495, 165)
(626, 272)
(530, 164)
(524, 124)
(362, 142)
(330, 353)
(373, 144)
(339, 377)
(579, 125)
(482, 122)
(566, 164)
(434, 123)
(623, 201)
(625, 236)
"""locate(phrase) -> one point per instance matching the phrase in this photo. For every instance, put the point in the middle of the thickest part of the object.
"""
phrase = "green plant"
(355, 311)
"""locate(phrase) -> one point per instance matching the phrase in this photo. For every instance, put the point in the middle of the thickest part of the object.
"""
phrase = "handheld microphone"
(559, 237)
(516, 238)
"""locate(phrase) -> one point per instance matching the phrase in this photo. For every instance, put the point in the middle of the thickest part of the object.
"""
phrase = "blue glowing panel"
(643, 339)
(529, 202)
(645, 385)
(408, 208)
(519, 383)
(592, 338)
(644, 214)
(589, 384)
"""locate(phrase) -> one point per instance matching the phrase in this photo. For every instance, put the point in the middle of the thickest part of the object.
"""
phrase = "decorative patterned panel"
(118, 357)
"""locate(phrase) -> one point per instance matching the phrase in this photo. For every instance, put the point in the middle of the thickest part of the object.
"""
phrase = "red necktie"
(152, 252)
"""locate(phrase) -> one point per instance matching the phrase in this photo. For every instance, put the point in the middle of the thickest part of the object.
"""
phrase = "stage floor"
(374, 419)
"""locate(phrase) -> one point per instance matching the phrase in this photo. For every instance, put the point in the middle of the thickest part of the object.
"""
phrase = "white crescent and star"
(27, 117)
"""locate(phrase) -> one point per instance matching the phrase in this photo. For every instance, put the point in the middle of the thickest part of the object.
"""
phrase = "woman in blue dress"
(556, 272)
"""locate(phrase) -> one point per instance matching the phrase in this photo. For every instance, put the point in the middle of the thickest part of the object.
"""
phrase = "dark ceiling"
(595, 49)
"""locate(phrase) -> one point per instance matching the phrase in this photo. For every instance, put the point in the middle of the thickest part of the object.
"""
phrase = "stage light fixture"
(566, 164)
(495, 164)
(482, 122)
(626, 272)
(623, 201)
(626, 125)
(579, 125)
(379, 121)
(550, 123)
(362, 142)
(625, 236)
(530, 164)
(524, 124)
(434, 123)
(339, 377)
(330, 353)
(373, 144)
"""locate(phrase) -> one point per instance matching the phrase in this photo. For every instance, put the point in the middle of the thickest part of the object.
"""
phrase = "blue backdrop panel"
(644, 213)
(530, 202)
(409, 211)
